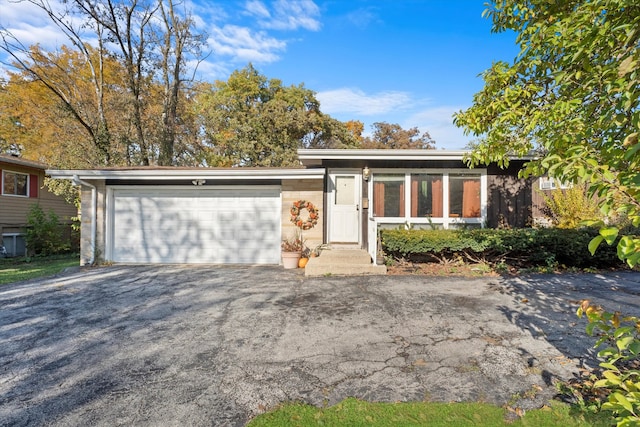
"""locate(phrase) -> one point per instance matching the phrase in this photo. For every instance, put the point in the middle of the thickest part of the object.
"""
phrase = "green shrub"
(546, 247)
(619, 340)
(570, 207)
(44, 235)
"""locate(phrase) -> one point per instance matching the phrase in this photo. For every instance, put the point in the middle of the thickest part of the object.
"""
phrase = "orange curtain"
(378, 199)
(471, 199)
(402, 199)
(436, 198)
(414, 196)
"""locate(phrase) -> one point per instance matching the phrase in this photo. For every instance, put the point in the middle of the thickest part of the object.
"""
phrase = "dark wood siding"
(509, 201)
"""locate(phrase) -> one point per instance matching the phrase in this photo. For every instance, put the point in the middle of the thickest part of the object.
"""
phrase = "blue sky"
(411, 62)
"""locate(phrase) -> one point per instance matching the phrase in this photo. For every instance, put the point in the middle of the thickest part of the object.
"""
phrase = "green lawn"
(353, 412)
(17, 269)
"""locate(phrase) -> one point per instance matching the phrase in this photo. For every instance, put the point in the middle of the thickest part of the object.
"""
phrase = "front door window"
(345, 194)
(344, 222)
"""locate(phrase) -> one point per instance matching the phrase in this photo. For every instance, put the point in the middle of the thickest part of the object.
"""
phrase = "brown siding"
(14, 210)
(509, 201)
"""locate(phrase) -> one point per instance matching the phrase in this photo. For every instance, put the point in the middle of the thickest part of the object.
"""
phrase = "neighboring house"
(240, 215)
(23, 187)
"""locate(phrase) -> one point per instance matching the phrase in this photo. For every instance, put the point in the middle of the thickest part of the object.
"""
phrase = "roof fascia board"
(22, 162)
(383, 154)
(164, 174)
(380, 154)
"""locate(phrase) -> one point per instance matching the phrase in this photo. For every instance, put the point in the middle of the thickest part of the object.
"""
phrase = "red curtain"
(436, 198)
(471, 198)
(378, 199)
(414, 196)
(402, 199)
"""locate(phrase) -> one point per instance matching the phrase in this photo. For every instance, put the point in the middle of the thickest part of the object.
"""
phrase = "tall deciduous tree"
(250, 120)
(355, 128)
(573, 95)
(151, 41)
(393, 136)
(71, 122)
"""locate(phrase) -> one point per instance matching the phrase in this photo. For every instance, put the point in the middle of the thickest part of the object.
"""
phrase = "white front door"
(344, 223)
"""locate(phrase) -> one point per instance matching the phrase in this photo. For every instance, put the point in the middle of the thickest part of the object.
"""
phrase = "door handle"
(357, 207)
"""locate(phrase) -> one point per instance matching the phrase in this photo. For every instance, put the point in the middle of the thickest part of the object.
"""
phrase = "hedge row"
(517, 247)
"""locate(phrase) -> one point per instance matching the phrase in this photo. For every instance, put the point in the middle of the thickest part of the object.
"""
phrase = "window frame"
(27, 185)
(445, 221)
(551, 184)
(14, 237)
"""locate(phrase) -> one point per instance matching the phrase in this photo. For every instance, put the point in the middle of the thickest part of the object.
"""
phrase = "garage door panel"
(196, 226)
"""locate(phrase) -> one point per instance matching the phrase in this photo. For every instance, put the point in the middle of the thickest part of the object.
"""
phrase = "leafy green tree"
(572, 95)
(250, 120)
(391, 135)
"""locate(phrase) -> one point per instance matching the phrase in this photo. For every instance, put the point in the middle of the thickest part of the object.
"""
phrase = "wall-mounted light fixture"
(366, 173)
(198, 181)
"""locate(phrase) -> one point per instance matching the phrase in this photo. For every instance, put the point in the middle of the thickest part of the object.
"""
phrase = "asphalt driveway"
(204, 345)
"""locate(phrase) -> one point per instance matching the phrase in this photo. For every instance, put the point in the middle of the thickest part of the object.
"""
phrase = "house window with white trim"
(389, 195)
(438, 197)
(426, 195)
(464, 196)
(15, 184)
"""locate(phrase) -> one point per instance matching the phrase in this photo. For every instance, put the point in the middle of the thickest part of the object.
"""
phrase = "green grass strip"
(18, 269)
(353, 412)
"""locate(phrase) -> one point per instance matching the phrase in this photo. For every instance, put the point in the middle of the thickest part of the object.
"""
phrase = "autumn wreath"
(312, 219)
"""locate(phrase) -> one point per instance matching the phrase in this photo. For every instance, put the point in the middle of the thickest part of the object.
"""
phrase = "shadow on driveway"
(212, 345)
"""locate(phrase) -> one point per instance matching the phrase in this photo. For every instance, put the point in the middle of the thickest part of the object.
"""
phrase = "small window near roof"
(548, 183)
(15, 184)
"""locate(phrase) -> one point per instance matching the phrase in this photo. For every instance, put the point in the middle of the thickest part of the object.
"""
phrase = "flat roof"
(166, 173)
(308, 155)
(379, 154)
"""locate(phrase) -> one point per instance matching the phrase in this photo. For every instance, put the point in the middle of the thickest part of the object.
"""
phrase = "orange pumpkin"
(303, 262)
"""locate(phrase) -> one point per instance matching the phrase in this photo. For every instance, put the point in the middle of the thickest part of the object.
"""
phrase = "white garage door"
(196, 225)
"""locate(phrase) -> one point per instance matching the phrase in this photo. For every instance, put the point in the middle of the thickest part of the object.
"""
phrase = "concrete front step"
(345, 256)
(343, 262)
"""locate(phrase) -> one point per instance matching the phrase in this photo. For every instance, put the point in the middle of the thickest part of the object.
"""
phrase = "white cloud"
(49, 37)
(243, 45)
(285, 14)
(438, 121)
(209, 70)
(363, 17)
(227, 44)
(355, 101)
(31, 25)
(205, 13)
(17, 12)
(257, 8)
